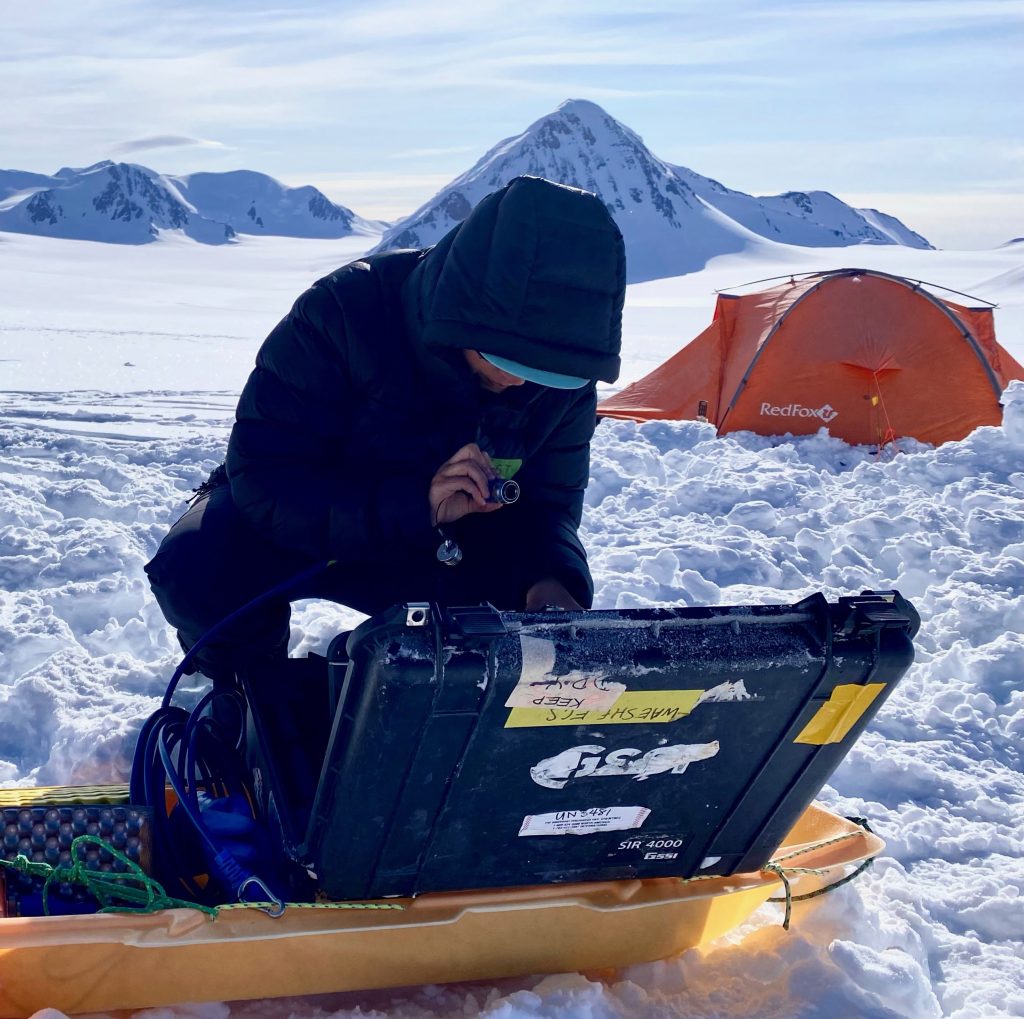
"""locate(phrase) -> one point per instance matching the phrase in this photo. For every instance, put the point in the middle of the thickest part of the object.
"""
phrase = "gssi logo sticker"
(591, 761)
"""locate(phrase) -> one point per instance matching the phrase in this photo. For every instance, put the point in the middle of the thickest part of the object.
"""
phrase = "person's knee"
(204, 571)
(178, 571)
(169, 563)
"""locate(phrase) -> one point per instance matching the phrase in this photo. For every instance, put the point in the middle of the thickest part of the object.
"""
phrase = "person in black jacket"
(380, 409)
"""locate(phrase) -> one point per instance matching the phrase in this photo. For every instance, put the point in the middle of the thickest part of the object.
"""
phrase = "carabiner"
(269, 903)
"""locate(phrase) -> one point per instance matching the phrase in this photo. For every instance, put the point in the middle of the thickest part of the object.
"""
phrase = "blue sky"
(911, 106)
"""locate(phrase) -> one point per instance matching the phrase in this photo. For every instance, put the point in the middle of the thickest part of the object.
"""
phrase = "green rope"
(146, 895)
(110, 888)
(790, 898)
(783, 874)
(136, 887)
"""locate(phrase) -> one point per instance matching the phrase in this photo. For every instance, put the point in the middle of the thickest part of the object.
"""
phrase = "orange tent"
(870, 356)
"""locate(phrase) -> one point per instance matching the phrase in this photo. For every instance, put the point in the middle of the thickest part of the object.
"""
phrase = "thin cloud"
(453, 150)
(764, 97)
(166, 141)
(387, 196)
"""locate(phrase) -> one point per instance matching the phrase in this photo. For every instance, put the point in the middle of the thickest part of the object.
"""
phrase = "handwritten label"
(630, 707)
(539, 688)
(584, 822)
(575, 690)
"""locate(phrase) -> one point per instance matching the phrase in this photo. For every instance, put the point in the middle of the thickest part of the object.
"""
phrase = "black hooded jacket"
(362, 391)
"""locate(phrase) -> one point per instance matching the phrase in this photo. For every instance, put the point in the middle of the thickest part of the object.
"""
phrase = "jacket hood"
(536, 273)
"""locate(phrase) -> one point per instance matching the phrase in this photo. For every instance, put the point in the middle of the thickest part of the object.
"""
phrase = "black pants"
(213, 562)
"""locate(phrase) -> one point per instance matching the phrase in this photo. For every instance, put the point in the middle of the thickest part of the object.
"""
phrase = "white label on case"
(584, 822)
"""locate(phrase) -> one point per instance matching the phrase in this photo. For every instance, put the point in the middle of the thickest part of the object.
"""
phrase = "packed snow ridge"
(130, 204)
(673, 220)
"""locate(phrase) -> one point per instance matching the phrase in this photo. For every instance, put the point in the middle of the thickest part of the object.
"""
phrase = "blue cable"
(171, 732)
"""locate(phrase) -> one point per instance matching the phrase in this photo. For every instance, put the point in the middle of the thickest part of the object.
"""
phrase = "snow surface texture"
(672, 219)
(90, 481)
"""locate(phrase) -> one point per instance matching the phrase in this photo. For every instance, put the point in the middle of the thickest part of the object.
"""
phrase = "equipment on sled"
(461, 793)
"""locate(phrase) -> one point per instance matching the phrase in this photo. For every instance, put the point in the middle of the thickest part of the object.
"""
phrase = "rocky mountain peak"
(578, 144)
(672, 219)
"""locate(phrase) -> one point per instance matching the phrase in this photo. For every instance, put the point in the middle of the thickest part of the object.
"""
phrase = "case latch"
(475, 622)
(872, 611)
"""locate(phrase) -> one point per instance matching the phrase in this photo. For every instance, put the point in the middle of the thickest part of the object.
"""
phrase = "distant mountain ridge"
(673, 220)
(253, 203)
(808, 218)
(126, 203)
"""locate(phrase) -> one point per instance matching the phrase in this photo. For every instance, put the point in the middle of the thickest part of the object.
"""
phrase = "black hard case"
(425, 787)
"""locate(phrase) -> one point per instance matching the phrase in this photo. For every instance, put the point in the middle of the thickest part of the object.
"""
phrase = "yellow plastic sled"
(120, 961)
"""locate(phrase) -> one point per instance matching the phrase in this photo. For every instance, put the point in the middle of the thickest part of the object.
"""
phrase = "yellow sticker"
(630, 707)
(838, 715)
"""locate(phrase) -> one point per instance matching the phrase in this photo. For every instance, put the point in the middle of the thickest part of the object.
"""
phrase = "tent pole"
(872, 272)
(767, 279)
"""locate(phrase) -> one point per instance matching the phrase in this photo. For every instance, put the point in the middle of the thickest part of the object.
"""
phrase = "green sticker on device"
(506, 469)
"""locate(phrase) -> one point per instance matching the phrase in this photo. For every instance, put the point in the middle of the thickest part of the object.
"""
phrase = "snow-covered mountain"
(119, 202)
(130, 204)
(253, 203)
(672, 219)
(23, 183)
(889, 225)
(814, 219)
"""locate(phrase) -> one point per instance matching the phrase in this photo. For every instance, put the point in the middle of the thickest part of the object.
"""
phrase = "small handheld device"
(503, 490)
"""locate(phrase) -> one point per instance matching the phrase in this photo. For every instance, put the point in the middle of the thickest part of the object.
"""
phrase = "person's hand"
(460, 486)
(550, 593)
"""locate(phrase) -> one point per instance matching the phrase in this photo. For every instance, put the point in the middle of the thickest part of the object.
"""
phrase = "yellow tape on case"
(839, 714)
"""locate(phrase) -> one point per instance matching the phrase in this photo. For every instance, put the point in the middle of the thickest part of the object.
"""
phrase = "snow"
(97, 458)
